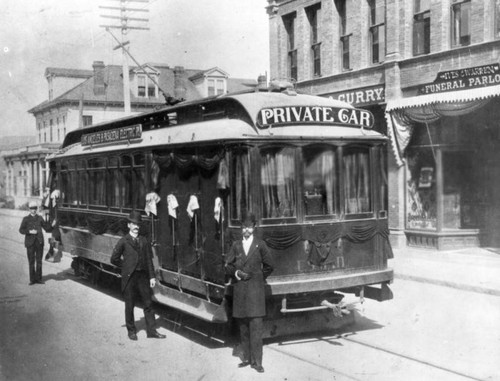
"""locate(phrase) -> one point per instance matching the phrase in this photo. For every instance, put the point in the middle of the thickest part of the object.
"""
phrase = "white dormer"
(210, 82)
(144, 82)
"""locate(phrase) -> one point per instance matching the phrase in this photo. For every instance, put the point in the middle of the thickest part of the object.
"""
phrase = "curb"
(444, 283)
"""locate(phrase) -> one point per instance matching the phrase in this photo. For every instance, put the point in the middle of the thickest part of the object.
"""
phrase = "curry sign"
(352, 117)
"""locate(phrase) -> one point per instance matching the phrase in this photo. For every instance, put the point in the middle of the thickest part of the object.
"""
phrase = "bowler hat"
(135, 217)
(32, 205)
(248, 220)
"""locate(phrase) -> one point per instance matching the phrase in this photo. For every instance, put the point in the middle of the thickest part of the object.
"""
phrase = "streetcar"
(311, 169)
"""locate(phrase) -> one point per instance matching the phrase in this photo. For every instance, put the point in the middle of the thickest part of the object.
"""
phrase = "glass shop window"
(421, 190)
(320, 181)
(357, 181)
(278, 182)
(241, 199)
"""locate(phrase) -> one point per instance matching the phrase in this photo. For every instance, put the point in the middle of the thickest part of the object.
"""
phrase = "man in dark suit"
(133, 254)
(31, 227)
(249, 263)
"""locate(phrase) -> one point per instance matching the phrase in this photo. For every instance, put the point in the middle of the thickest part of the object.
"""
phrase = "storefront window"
(421, 190)
(459, 195)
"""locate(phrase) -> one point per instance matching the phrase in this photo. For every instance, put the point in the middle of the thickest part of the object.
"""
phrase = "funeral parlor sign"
(463, 79)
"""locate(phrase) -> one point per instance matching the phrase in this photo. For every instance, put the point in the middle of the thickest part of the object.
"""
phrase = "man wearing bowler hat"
(249, 263)
(133, 254)
(31, 227)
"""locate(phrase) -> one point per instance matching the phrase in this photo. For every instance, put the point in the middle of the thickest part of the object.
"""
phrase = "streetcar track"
(406, 357)
(310, 362)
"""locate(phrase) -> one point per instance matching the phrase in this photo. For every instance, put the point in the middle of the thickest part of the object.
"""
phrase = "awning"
(402, 114)
(447, 97)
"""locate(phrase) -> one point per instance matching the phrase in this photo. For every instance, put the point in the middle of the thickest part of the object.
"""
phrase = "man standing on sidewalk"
(133, 254)
(31, 227)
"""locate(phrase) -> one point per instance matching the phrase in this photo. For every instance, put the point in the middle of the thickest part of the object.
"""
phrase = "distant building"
(80, 98)
(429, 71)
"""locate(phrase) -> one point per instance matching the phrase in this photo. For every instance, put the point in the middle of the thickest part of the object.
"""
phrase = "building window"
(377, 30)
(215, 87)
(87, 120)
(421, 27)
(460, 18)
(141, 86)
(313, 13)
(289, 21)
(344, 37)
(146, 88)
(51, 128)
(497, 18)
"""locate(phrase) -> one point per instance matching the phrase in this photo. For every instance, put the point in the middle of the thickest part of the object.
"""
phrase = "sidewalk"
(470, 269)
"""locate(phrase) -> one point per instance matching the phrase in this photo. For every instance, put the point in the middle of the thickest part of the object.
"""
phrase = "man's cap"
(248, 220)
(135, 217)
(33, 205)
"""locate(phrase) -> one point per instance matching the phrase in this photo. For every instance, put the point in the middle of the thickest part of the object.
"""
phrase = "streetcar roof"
(227, 117)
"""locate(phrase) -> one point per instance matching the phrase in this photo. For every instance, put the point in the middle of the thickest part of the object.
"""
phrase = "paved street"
(68, 329)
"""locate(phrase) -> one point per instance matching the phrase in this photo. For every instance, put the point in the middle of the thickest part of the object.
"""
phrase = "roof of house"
(63, 72)
(113, 93)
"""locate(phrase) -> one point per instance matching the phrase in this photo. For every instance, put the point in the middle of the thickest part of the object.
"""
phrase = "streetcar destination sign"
(351, 117)
(114, 135)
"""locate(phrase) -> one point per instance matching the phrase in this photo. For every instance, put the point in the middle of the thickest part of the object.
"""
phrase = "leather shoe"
(132, 336)
(156, 335)
(243, 364)
(258, 368)
(40, 282)
(31, 283)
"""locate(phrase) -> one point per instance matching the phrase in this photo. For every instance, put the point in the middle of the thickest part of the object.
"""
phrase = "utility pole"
(125, 26)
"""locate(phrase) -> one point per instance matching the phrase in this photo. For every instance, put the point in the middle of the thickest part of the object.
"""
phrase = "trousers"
(35, 255)
(251, 330)
(138, 289)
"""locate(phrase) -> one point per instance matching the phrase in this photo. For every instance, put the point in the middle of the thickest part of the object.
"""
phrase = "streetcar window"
(140, 181)
(320, 181)
(114, 182)
(357, 181)
(97, 181)
(240, 184)
(126, 181)
(278, 182)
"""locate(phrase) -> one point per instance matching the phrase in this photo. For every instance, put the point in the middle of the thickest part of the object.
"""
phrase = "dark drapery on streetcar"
(310, 169)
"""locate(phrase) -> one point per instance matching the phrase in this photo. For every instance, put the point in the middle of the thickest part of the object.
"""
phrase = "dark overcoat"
(249, 299)
(126, 256)
(31, 222)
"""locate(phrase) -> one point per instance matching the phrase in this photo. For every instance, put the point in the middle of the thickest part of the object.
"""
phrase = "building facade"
(429, 71)
(80, 98)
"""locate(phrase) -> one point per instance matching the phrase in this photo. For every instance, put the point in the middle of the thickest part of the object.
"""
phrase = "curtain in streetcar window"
(97, 181)
(357, 181)
(240, 184)
(140, 182)
(114, 183)
(320, 181)
(278, 182)
(127, 182)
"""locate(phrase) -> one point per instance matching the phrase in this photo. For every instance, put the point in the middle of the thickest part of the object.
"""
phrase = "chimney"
(179, 78)
(99, 87)
(262, 81)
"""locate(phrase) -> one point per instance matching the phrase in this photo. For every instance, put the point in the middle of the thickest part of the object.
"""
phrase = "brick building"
(79, 98)
(429, 71)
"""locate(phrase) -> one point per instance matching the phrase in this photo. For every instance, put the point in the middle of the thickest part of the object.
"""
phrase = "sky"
(197, 34)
